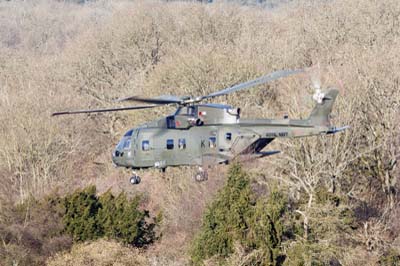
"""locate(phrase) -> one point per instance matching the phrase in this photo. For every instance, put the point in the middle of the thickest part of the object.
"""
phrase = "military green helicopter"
(203, 134)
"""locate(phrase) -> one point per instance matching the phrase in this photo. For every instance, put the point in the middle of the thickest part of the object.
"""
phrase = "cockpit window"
(126, 141)
(127, 144)
(129, 133)
(120, 145)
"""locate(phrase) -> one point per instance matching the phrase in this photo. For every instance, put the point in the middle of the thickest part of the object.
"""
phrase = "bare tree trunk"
(305, 224)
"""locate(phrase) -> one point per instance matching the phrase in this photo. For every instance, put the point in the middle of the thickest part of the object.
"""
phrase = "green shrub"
(89, 217)
(225, 219)
(120, 218)
(81, 210)
(37, 229)
(266, 228)
(237, 216)
(301, 253)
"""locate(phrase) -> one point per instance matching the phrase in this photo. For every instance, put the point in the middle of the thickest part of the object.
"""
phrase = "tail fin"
(320, 114)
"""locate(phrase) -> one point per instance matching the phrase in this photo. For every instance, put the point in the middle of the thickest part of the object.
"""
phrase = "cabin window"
(213, 142)
(127, 144)
(145, 145)
(228, 136)
(170, 144)
(182, 144)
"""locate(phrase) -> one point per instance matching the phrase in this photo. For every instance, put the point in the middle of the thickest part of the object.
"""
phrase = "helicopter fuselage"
(204, 135)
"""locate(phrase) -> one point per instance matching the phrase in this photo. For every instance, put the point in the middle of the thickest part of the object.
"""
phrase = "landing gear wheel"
(134, 180)
(201, 175)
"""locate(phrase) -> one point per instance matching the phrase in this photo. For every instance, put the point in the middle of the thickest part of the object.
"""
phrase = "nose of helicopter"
(115, 157)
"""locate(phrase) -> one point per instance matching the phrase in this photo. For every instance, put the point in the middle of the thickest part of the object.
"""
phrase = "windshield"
(126, 141)
(129, 133)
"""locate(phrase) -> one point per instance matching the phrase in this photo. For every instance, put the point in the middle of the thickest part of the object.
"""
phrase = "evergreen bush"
(80, 218)
(237, 216)
(88, 217)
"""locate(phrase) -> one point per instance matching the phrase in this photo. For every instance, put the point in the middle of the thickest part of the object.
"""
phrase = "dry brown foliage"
(99, 253)
(60, 55)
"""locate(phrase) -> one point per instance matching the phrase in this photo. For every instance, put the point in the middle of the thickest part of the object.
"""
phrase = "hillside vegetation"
(338, 194)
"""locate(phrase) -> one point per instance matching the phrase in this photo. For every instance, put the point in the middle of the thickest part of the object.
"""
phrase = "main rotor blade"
(265, 79)
(104, 110)
(167, 99)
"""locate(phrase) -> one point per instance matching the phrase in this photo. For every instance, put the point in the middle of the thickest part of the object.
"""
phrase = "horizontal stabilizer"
(257, 155)
(262, 154)
(337, 129)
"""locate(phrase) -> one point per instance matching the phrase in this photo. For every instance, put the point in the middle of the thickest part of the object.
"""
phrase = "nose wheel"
(135, 179)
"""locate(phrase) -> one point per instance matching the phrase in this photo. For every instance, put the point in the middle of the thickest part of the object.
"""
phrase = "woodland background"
(329, 200)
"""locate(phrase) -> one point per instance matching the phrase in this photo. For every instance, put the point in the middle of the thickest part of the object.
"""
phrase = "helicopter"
(203, 134)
